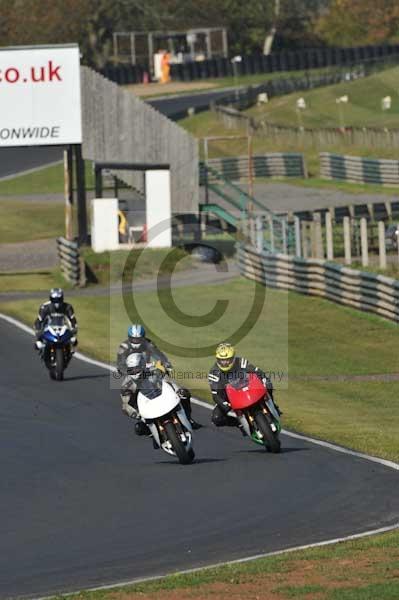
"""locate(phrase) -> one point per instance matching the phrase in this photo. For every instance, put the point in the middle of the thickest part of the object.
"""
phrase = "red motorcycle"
(254, 408)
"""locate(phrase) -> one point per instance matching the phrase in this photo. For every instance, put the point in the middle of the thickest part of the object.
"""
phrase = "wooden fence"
(306, 137)
(357, 169)
(72, 264)
(364, 291)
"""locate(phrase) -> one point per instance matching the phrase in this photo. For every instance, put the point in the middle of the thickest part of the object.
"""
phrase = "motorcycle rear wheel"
(185, 456)
(270, 440)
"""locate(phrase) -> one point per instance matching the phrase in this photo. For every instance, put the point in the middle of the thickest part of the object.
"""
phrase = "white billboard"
(40, 96)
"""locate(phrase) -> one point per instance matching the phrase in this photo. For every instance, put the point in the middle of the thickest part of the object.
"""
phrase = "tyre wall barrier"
(277, 164)
(72, 264)
(357, 289)
(359, 170)
(294, 60)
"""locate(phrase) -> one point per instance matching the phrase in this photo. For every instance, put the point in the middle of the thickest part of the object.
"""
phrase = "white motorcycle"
(159, 407)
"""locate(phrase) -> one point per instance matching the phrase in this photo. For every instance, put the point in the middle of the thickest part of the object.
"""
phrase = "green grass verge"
(108, 267)
(47, 180)
(364, 569)
(32, 281)
(359, 414)
(27, 221)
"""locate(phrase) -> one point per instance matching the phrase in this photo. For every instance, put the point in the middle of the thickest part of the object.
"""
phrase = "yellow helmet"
(225, 355)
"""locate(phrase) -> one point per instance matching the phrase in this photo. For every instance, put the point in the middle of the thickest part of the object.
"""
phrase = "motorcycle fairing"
(250, 392)
(160, 405)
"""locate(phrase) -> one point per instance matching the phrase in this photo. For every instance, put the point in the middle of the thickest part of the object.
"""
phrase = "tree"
(91, 23)
(357, 23)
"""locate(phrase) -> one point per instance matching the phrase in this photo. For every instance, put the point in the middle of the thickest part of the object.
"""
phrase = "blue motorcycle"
(56, 345)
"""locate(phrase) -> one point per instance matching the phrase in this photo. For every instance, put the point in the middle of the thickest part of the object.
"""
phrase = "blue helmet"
(136, 333)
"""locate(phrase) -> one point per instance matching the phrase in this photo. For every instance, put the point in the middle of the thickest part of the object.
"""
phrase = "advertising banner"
(40, 96)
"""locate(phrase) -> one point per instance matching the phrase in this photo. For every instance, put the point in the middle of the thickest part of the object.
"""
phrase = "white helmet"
(135, 364)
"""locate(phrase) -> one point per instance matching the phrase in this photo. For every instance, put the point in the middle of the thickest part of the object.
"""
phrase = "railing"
(358, 289)
(72, 264)
(254, 219)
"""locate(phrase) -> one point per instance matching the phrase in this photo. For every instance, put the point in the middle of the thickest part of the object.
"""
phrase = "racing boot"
(185, 398)
(141, 428)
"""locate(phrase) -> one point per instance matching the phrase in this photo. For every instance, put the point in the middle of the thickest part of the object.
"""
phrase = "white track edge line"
(355, 536)
(236, 561)
(382, 461)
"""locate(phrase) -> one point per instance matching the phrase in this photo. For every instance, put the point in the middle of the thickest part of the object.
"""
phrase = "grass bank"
(363, 108)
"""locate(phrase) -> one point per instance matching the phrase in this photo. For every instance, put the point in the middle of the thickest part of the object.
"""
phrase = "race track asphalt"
(84, 502)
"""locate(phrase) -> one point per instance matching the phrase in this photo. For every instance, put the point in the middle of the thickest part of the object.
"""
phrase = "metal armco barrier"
(359, 170)
(277, 164)
(72, 264)
(357, 289)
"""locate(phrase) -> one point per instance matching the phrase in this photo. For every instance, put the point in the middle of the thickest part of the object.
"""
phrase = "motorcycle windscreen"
(243, 393)
(161, 404)
(56, 330)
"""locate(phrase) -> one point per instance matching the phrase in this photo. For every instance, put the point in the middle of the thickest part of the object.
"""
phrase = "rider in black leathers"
(55, 307)
(227, 367)
(136, 342)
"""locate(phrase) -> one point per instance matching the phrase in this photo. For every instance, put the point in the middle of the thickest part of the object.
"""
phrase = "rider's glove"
(160, 366)
(184, 393)
(267, 383)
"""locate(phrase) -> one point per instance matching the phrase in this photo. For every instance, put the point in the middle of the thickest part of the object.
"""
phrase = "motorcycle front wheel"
(58, 369)
(185, 456)
(270, 440)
